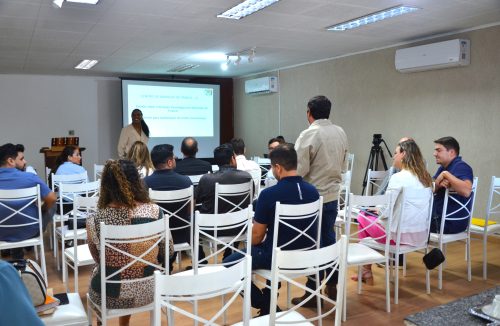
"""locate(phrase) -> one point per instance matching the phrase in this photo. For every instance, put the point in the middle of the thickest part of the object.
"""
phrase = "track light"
(237, 57)
(251, 56)
(238, 60)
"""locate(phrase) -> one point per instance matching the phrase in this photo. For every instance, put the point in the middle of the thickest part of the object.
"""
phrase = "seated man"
(290, 189)
(227, 174)
(190, 165)
(241, 161)
(12, 178)
(165, 178)
(270, 180)
(453, 174)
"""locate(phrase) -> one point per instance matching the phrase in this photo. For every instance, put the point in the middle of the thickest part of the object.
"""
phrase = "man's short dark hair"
(189, 147)
(223, 154)
(449, 143)
(319, 107)
(284, 155)
(274, 140)
(160, 154)
(7, 151)
(20, 148)
(238, 146)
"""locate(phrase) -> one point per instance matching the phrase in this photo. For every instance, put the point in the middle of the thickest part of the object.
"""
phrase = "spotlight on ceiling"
(251, 56)
(238, 60)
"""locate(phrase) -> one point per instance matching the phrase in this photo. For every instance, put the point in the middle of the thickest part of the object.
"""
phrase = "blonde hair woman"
(139, 155)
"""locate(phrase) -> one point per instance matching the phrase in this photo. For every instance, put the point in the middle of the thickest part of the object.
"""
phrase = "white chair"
(232, 197)
(359, 254)
(256, 175)
(414, 216)
(178, 206)
(374, 180)
(16, 203)
(343, 198)
(302, 224)
(350, 162)
(215, 168)
(47, 173)
(78, 255)
(139, 236)
(67, 194)
(289, 265)
(492, 209)
(440, 239)
(98, 168)
(72, 313)
(171, 289)
(265, 166)
(195, 179)
(56, 180)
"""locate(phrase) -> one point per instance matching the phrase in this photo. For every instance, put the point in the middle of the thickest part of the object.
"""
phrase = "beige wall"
(370, 96)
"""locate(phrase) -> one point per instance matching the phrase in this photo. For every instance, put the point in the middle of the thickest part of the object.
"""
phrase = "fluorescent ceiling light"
(209, 56)
(246, 8)
(86, 64)
(183, 67)
(58, 3)
(90, 2)
(373, 17)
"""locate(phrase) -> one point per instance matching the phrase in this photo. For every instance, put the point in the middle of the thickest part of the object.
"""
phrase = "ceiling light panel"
(246, 8)
(90, 2)
(373, 17)
(86, 64)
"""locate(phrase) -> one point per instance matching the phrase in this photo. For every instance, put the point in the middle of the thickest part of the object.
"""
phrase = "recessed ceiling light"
(59, 3)
(86, 64)
(373, 17)
(246, 8)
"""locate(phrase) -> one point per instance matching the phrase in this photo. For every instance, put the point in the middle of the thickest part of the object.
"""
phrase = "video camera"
(377, 139)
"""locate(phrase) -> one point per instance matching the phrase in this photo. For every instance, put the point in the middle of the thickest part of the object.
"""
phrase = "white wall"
(35, 108)
(370, 96)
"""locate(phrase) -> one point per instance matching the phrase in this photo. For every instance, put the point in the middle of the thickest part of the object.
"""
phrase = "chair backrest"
(362, 207)
(68, 191)
(493, 207)
(57, 179)
(289, 265)
(234, 280)
(414, 215)
(215, 168)
(256, 177)
(264, 164)
(47, 173)
(345, 189)
(350, 161)
(134, 243)
(463, 211)
(25, 203)
(374, 180)
(216, 227)
(178, 207)
(98, 168)
(83, 207)
(232, 197)
(195, 179)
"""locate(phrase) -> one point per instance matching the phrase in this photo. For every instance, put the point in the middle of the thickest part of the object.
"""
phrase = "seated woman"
(69, 161)
(139, 154)
(413, 175)
(123, 200)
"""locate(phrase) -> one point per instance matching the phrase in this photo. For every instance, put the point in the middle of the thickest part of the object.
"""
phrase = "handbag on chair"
(433, 258)
(32, 277)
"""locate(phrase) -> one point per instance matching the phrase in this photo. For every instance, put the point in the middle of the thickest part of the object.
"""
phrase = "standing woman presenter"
(138, 130)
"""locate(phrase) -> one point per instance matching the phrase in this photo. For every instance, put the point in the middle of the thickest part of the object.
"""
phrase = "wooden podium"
(51, 154)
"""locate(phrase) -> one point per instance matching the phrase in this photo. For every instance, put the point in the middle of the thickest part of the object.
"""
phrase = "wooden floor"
(368, 307)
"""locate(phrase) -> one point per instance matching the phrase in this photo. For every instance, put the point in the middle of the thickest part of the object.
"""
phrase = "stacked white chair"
(492, 209)
(374, 180)
(440, 240)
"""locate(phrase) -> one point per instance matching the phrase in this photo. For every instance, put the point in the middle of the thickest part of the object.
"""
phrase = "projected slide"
(174, 112)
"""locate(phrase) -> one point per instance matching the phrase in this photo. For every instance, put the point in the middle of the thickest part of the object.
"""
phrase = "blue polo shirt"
(69, 168)
(12, 178)
(289, 190)
(462, 171)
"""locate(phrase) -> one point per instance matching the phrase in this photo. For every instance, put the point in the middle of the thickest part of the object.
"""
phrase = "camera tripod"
(376, 154)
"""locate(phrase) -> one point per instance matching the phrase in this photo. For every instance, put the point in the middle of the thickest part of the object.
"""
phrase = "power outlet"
(71, 132)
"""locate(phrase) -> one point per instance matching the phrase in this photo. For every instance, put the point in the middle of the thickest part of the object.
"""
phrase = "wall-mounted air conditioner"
(261, 85)
(439, 55)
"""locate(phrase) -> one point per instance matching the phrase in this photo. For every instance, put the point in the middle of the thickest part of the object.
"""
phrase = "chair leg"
(467, 248)
(179, 260)
(387, 287)
(360, 279)
(485, 256)
(404, 265)
(75, 273)
(396, 278)
(440, 269)
(344, 310)
(288, 296)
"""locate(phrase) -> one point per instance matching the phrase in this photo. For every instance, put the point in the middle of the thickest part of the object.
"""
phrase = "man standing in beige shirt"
(322, 152)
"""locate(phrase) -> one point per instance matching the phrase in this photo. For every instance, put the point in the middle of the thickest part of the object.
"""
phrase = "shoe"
(311, 303)
(366, 277)
(263, 312)
(331, 291)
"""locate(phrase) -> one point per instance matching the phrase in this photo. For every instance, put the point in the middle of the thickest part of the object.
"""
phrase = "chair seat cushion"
(289, 317)
(493, 228)
(359, 254)
(448, 237)
(403, 249)
(83, 253)
(201, 270)
(68, 234)
(72, 313)
(182, 246)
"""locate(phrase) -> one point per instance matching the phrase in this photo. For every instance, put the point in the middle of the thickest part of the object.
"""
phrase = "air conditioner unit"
(261, 85)
(452, 53)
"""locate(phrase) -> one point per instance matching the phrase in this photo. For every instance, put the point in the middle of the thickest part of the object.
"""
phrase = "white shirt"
(128, 137)
(246, 165)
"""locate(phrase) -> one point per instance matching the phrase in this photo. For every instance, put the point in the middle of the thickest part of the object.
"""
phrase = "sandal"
(366, 277)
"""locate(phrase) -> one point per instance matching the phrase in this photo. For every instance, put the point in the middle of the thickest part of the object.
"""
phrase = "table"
(454, 313)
